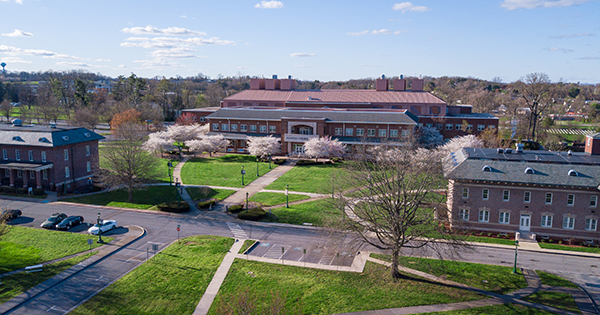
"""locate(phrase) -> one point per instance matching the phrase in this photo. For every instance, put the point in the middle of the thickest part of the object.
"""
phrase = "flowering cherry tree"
(468, 141)
(323, 147)
(430, 137)
(208, 144)
(158, 142)
(175, 136)
(263, 146)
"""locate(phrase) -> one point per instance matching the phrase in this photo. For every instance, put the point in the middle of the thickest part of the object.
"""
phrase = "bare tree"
(536, 92)
(395, 207)
(6, 108)
(126, 164)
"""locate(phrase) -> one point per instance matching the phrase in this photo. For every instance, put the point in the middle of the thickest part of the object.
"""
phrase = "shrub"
(96, 188)
(253, 214)
(206, 204)
(236, 208)
(336, 159)
(174, 206)
(38, 191)
(311, 162)
(278, 161)
(20, 191)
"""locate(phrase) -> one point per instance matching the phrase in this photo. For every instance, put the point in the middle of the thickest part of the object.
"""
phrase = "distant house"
(49, 157)
(549, 194)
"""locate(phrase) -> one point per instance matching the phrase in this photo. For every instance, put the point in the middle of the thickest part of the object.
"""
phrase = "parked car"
(69, 222)
(53, 220)
(105, 225)
(10, 214)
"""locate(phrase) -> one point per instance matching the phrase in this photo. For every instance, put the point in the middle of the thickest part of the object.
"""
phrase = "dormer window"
(573, 173)
(486, 168)
(529, 170)
(17, 138)
(44, 139)
(66, 138)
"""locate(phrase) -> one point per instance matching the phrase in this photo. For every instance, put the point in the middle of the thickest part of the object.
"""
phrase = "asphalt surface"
(321, 247)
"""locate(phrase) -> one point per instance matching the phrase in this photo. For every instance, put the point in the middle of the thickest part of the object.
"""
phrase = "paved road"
(161, 228)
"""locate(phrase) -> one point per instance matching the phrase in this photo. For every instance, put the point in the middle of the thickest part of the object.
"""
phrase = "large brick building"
(49, 157)
(550, 194)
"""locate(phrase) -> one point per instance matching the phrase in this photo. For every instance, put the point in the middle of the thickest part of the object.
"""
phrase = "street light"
(257, 167)
(246, 202)
(516, 251)
(100, 241)
(269, 160)
(287, 197)
(243, 172)
(169, 165)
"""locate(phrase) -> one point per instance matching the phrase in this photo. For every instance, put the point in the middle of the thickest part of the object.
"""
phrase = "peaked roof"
(45, 136)
(337, 96)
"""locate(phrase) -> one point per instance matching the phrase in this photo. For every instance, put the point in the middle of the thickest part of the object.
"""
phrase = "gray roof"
(549, 168)
(398, 117)
(45, 136)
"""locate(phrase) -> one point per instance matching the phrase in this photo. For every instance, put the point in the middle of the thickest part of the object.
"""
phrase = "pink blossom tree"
(323, 147)
(176, 135)
(208, 144)
(263, 146)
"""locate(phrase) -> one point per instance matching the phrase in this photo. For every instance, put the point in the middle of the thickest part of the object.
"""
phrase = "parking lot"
(316, 255)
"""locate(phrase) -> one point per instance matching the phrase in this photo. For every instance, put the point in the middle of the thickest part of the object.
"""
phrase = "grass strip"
(142, 199)
(555, 281)
(319, 212)
(498, 279)
(22, 246)
(288, 289)
(503, 309)
(247, 244)
(18, 283)
(172, 282)
(559, 300)
(570, 248)
(271, 199)
(223, 171)
(197, 193)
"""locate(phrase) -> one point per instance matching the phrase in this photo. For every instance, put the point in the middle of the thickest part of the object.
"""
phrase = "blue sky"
(310, 40)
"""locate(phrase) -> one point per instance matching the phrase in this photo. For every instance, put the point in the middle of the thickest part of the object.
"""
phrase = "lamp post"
(257, 167)
(243, 172)
(177, 190)
(98, 221)
(287, 197)
(516, 251)
(246, 202)
(169, 165)
(270, 160)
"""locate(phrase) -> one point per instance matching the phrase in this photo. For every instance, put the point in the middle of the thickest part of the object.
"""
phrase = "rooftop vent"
(486, 168)
(52, 125)
(569, 152)
(520, 147)
(529, 170)
(275, 76)
(17, 122)
(500, 150)
(310, 98)
(508, 150)
(87, 134)
(402, 76)
(573, 173)
(66, 138)
(383, 76)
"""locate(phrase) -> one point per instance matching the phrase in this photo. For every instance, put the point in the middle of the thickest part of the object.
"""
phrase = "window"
(17, 155)
(225, 127)
(485, 194)
(349, 132)
(486, 168)
(66, 154)
(548, 198)
(87, 150)
(252, 128)
(527, 196)
(464, 214)
(546, 220)
(506, 195)
(382, 132)
(30, 155)
(465, 192)
(45, 174)
(457, 126)
(243, 128)
(88, 166)
(43, 156)
(480, 127)
(568, 222)
(67, 173)
(449, 126)
(573, 173)
(504, 218)
(470, 128)
(263, 129)
(394, 133)
(233, 127)
(360, 132)
(570, 200)
(338, 131)
(590, 224)
(593, 201)
(202, 119)
(215, 126)
(6, 172)
(371, 132)
(5, 154)
(31, 174)
(405, 133)
(440, 126)
(484, 216)
(272, 129)
(429, 125)
(492, 127)
(19, 173)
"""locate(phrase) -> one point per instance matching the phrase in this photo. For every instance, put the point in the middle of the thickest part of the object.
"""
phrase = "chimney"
(400, 84)
(417, 85)
(381, 84)
(257, 84)
(288, 84)
(592, 144)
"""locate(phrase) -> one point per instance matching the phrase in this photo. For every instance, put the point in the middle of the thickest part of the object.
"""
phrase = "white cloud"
(532, 4)
(63, 56)
(589, 58)
(358, 33)
(177, 53)
(15, 51)
(302, 55)
(300, 66)
(573, 35)
(170, 31)
(100, 59)
(19, 1)
(269, 5)
(409, 7)
(122, 66)
(183, 16)
(14, 59)
(74, 64)
(18, 33)
(564, 50)
(382, 31)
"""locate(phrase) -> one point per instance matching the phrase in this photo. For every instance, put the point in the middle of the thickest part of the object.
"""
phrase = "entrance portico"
(25, 170)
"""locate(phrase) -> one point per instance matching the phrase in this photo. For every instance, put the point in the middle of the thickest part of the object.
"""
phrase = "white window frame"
(485, 194)
(349, 132)
(224, 127)
(480, 127)
(20, 173)
(570, 200)
(458, 126)
(262, 129)
(591, 224)
(370, 132)
(546, 198)
(253, 128)
(67, 172)
(5, 154)
(87, 150)
(30, 155)
(18, 155)
(463, 214)
(88, 165)
(234, 127)
(546, 220)
(593, 201)
(405, 133)
(393, 133)
(45, 174)
(215, 127)
(568, 222)
(243, 128)
(465, 192)
(66, 154)
(449, 126)
(382, 133)
(43, 156)
(360, 132)
(338, 131)
(506, 195)
(272, 129)
(484, 216)
(504, 217)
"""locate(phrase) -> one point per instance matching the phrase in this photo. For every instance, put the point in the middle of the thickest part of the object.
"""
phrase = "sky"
(308, 39)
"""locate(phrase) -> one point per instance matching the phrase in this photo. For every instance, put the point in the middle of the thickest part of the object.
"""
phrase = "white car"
(106, 226)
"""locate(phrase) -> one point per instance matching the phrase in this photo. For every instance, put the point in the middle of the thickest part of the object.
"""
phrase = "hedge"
(206, 204)
(236, 208)
(253, 214)
(311, 162)
(174, 206)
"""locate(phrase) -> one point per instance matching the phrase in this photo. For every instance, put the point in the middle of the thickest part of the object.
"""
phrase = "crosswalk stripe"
(237, 230)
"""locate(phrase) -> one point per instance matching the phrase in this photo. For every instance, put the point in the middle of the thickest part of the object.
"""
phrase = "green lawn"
(311, 178)
(503, 309)
(246, 245)
(498, 279)
(559, 300)
(271, 199)
(198, 193)
(222, 171)
(570, 248)
(319, 213)
(489, 240)
(21, 282)
(554, 280)
(172, 282)
(142, 199)
(161, 166)
(314, 291)
(22, 247)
